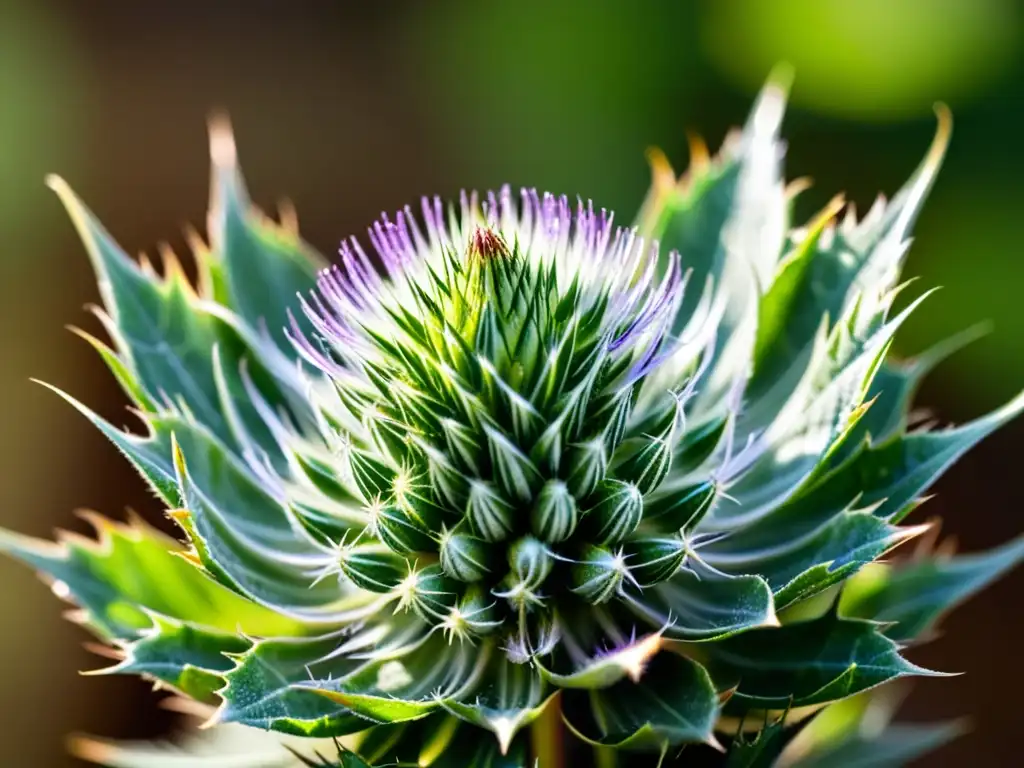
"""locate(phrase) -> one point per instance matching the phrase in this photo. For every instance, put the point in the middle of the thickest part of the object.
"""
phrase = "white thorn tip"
(633, 659)
(222, 141)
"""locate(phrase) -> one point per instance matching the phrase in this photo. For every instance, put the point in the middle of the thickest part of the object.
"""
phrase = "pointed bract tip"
(67, 197)
(104, 651)
(222, 140)
(909, 532)
(834, 206)
(798, 186)
(505, 730)
(216, 718)
(185, 706)
(288, 216)
(766, 117)
(700, 156)
(663, 177)
(97, 520)
(1011, 410)
(781, 78)
(942, 133)
(714, 743)
(91, 750)
(926, 361)
(56, 183)
(633, 659)
(103, 671)
(916, 669)
(178, 458)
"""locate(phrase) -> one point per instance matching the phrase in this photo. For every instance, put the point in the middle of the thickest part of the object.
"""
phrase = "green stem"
(546, 736)
(604, 757)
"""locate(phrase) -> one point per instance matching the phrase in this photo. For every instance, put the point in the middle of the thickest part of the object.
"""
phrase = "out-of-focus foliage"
(563, 95)
(870, 59)
(38, 86)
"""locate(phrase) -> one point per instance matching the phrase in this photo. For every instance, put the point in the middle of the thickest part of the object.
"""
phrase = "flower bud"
(680, 509)
(475, 615)
(464, 557)
(401, 531)
(598, 574)
(429, 593)
(615, 411)
(531, 562)
(647, 467)
(373, 476)
(587, 465)
(447, 482)
(554, 515)
(390, 437)
(514, 472)
(655, 559)
(373, 567)
(547, 451)
(616, 510)
(419, 501)
(490, 515)
(462, 445)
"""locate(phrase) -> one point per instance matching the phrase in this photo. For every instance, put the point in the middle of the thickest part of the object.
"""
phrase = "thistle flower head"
(507, 450)
(489, 361)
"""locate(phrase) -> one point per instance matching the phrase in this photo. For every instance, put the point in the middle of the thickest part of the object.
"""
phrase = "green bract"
(515, 452)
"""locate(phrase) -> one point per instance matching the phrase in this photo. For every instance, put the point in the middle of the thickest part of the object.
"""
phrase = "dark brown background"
(351, 108)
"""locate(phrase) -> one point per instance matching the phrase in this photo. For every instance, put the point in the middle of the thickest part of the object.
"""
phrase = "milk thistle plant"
(514, 486)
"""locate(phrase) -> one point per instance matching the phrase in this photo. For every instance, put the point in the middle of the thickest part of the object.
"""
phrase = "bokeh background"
(352, 108)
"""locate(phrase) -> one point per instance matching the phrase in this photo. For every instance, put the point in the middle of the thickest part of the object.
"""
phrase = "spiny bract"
(516, 451)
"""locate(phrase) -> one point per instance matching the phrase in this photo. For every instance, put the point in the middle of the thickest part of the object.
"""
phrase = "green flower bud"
(475, 615)
(324, 478)
(390, 437)
(418, 500)
(616, 511)
(464, 557)
(373, 476)
(655, 559)
(519, 595)
(401, 530)
(615, 413)
(514, 472)
(448, 483)
(547, 451)
(554, 515)
(698, 444)
(587, 465)
(491, 516)
(373, 567)
(531, 561)
(462, 445)
(680, 509)
(649, 465)
(598, 574)
(429, 593)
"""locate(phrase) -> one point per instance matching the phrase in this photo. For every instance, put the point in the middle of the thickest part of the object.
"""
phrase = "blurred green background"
(353, 108)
